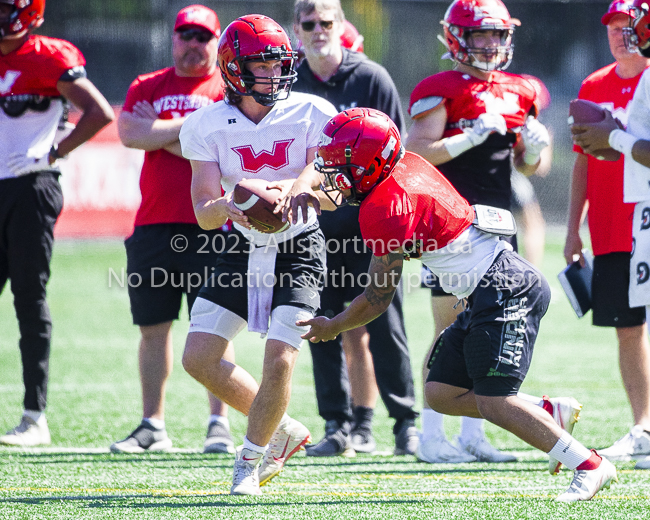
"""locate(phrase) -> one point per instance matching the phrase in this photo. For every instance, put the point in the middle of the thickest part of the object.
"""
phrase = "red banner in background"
(101, 191)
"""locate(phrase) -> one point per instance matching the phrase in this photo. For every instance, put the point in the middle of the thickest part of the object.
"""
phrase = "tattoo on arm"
(385, 273)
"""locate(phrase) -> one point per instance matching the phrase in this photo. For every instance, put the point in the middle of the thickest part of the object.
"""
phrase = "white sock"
(471, 428)
(431, 424)
(221, 419)
(537, 401)
(35, 415)
(569, 451)
(158, 424)
(254, 447)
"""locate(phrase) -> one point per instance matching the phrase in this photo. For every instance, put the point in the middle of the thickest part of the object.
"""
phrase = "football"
(583, 111)
(257, 202)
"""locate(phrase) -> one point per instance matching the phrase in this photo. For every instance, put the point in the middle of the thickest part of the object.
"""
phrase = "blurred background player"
(598, 187)
(349, 79)
(156, 106)
(258, 129)
(474, 140)
(40, 75)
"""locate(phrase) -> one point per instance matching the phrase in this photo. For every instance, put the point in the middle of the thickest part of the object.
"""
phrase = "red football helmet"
(357, 150)
(256, 38)
(637, 36)
(27, 14)
(463, 17)
(351, 39)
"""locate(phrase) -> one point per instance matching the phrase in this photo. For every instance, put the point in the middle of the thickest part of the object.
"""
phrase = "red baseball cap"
(616, 7)
(198, 16)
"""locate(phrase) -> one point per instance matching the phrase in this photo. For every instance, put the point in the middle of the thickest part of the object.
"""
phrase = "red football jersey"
(166, 178)
(610, 219)
(415, 202)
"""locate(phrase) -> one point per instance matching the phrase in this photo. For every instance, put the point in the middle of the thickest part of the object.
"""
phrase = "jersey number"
(276, 159)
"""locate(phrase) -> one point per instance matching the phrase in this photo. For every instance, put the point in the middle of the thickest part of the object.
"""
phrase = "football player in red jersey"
(265, 282)
(408, 209)
(156, 106)
(473, 123)
(619, 204)
(598, 187)
(37, 75)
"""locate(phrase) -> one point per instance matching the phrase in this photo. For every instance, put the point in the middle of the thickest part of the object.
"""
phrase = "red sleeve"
(56, 57)
(134, 94)
(443, 84)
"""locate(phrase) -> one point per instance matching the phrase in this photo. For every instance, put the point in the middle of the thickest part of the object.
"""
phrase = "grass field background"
(94, 399)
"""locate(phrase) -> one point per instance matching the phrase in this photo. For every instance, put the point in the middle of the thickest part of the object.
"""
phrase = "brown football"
(257, 202)
(583, 111)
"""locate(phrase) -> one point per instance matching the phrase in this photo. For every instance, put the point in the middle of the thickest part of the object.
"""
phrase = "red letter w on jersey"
(253, 162)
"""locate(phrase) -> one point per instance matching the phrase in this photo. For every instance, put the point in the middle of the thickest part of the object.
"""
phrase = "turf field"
(94, 399)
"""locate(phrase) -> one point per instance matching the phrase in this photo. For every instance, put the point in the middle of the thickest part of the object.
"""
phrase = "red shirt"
(415, 202)
(165, 179)
(610, 219)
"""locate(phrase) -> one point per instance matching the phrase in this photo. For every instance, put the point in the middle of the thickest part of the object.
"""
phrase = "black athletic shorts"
(165, 261)
(299, 273)
(490, 345)
(609, 292)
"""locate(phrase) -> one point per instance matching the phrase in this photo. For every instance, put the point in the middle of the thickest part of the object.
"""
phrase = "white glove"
(21, 164)
(484, 125)
(536, 138)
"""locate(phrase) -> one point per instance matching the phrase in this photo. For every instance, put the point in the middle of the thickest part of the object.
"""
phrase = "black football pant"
(29, 207)
(390, 355)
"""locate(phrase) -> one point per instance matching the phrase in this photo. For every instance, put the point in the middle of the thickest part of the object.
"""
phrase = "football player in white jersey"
(267, 281)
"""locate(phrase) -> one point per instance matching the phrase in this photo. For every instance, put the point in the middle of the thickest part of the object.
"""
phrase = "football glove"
(536, 138)
(484, 125)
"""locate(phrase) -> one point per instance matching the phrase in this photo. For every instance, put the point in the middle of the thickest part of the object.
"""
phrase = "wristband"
(621, 141)
(531, 159)
(458, 144)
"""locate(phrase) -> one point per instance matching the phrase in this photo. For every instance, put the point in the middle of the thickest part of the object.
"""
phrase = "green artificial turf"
(94, 399)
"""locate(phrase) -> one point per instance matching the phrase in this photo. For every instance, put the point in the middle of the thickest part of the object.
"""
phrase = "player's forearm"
(578, 197)
(522, 166)
(434, 152)
(148, 134)
(360, 312)
(211, 213)
(641, 152)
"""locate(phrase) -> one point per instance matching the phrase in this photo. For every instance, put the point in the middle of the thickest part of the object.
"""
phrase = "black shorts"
(609, 292)
(428, 280)
(490, 345)
(165, 261)
(299, 273)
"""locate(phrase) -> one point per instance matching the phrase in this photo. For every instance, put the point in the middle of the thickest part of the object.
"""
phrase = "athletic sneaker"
(407, 439)
(480, 448)
(245, 479)
(362, 441)
(218, 439)
(438, 450)
(28, 433)
(565, 412)
(144, 438)
(586, 483)
(633, 445)
(336, 442)
(285, 443)
(643, 464)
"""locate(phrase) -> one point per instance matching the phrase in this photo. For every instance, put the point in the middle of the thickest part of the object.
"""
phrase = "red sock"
(547, 405)
(591, 463)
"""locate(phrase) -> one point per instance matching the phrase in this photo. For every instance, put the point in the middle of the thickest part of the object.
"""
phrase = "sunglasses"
(324, 24)
(201, 36)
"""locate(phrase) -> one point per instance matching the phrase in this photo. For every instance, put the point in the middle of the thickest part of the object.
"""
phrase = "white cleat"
(245, 480)
(483, 451)
(586, 483)
(285, 443)
(633, 445)
(566, 413)
(28, 433)
(438, 450)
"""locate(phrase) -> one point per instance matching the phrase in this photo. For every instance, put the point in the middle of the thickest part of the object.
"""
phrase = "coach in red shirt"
(598, 186)
(168, 254)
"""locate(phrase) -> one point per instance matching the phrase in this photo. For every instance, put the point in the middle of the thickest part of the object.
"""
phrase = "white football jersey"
(274, 149)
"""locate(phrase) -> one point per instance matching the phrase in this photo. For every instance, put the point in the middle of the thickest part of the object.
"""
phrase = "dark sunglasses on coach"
(200, 35)
(324, 24)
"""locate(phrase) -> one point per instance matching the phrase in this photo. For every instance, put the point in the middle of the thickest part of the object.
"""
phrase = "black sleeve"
(73, 74)
(386, 98)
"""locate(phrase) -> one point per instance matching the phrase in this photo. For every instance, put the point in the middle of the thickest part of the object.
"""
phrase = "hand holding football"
(257, 201)
(582, 111)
